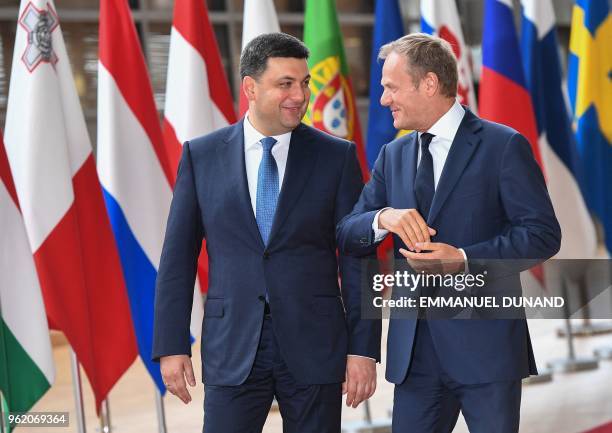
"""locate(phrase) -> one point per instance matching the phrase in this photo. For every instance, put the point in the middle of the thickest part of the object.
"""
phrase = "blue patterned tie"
(267, 189)
(424, 188)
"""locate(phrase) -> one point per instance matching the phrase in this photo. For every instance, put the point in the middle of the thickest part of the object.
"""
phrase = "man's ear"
(432, 84)
(248, 87)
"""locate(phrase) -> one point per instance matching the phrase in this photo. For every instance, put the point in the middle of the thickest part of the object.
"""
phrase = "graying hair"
(425, 53)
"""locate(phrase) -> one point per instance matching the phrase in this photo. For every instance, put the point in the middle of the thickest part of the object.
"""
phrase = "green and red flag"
(332, 105)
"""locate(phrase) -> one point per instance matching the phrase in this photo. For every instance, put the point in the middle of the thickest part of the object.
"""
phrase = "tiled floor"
(571, 403)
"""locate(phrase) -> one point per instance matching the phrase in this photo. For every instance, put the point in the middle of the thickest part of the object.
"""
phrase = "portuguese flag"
(332, 103)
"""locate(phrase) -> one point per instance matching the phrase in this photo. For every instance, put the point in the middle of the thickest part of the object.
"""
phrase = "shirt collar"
(447, 126)
(252, 136)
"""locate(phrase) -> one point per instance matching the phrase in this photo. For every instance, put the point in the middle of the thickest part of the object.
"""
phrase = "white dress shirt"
(253, 152)
(444, 131)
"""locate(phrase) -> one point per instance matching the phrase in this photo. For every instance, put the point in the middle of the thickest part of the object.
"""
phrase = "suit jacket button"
(261, 298)
(266, 255)
(363, 241)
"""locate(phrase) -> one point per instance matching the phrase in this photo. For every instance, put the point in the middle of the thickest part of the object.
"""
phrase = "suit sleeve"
(364, 334)
(178, 266)
(534, 233)
(354, 232)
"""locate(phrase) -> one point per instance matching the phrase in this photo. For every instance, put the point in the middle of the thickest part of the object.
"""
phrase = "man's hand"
(408, 224)
(360, 382)
(441, 258)
(174, 370)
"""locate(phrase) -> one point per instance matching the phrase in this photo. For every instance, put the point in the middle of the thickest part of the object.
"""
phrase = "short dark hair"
(254, 57)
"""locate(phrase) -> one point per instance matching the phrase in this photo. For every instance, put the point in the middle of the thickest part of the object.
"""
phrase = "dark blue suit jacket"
(491, 201)
(315, 322)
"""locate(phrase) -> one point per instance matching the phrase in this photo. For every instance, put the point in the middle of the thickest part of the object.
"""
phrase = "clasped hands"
(422, 254)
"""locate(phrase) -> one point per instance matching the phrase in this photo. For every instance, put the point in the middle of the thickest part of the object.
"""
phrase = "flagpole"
(161, 412)
(571, 364)
(77, 391)
(105, 418)
(3, 415)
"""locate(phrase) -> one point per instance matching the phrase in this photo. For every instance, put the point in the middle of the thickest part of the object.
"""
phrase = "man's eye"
(285, 84)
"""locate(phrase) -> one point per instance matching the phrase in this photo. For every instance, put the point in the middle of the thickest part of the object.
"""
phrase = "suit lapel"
(300, 163)
(231, 153)
(463, 147)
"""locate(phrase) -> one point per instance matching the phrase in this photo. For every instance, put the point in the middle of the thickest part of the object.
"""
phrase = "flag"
(26, 362)
(332, 105)
(504, 97)
(388, 27)
(590, 91)
(61, 202)
(134, 168)
(194, 107)
(557, 145)
(440, 18)
(259, 17)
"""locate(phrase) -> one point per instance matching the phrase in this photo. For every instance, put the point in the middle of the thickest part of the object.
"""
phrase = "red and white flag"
(259, 17)
(198, 96)
(50, 155)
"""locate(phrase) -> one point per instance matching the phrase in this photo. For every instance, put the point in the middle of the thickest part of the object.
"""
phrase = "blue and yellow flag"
(388, 27)
(590, 91)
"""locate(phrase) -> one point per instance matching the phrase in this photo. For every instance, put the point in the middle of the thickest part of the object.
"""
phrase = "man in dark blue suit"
(456, 190)
(266, 194)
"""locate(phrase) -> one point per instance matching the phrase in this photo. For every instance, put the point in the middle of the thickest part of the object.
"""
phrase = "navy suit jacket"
(491, 201)
(315, 322)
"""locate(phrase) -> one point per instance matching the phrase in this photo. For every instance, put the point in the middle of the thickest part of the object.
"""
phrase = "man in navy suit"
(266, 193)
(456, 190)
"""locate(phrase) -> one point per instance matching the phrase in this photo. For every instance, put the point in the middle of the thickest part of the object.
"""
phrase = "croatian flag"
(193, 106)
(440, 18)
(556, 139)
(259, 17)
(53, 168)
(133, 167)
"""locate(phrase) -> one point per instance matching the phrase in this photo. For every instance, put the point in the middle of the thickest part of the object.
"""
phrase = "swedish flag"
(590, 91)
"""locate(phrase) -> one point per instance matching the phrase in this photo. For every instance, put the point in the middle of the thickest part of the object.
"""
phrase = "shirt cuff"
(379, 234)
(465, 261)
(360, 356)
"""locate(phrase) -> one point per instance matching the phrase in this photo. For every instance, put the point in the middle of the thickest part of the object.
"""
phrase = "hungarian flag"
(193, 106)
(259, 17)
(61, 202)
(26, 362)
(539, 49)
(332, 105)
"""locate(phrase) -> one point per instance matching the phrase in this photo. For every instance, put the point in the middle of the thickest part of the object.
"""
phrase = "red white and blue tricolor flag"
(441, 18)
(539, 48)
(504, 97)
(133, 167)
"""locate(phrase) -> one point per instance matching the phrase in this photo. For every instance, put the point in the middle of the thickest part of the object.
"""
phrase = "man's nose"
(385, 100)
